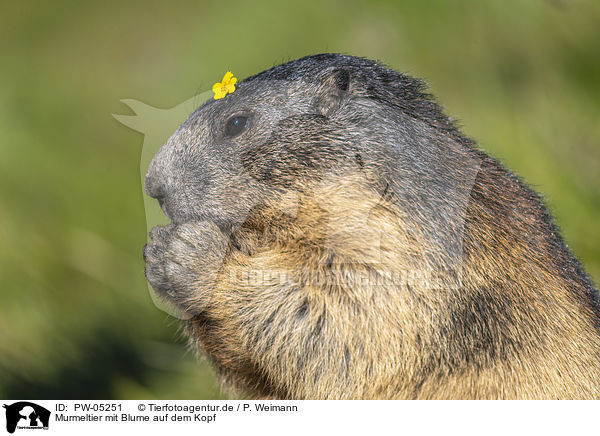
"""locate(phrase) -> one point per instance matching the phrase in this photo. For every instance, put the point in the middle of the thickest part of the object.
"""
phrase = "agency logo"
(26, 415)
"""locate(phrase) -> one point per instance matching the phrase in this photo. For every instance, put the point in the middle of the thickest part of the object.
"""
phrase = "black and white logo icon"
(26, 415)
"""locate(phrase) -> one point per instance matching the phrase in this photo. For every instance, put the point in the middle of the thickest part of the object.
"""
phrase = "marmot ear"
(332, 92)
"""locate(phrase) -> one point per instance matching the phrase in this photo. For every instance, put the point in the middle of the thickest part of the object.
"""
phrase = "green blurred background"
(77, 321)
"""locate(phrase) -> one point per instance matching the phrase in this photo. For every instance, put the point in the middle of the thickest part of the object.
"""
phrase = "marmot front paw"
(182, 262)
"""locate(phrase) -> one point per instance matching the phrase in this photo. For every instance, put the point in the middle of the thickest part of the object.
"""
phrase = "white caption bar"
(26, 417)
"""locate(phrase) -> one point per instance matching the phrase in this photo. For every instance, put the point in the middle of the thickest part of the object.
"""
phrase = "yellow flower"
(224, 87)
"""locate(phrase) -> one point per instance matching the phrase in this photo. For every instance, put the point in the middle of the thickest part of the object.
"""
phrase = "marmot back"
(334, 235)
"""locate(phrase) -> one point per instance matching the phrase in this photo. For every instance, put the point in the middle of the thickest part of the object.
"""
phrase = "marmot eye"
(236, 125)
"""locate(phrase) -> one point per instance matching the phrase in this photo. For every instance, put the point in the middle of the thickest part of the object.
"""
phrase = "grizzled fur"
(287, 233)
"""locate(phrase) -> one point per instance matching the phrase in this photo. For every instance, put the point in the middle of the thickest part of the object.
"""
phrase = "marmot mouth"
(161, 203)
(164, 209)
(225, 227)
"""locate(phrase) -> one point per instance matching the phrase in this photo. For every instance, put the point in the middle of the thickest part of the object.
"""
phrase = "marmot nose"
(155, 188)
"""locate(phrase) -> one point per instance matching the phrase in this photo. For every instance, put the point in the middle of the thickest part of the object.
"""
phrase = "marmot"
(335, 236)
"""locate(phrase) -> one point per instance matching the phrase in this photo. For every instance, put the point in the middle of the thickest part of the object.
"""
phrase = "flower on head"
(225, 86)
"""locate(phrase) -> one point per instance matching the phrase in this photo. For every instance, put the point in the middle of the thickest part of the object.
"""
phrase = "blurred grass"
(77, 320)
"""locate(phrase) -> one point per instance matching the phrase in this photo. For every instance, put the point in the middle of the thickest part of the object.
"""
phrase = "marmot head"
(294, 125)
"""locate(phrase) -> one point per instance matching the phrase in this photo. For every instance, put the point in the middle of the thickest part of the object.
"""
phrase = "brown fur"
(335, 286)
(393, 343)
